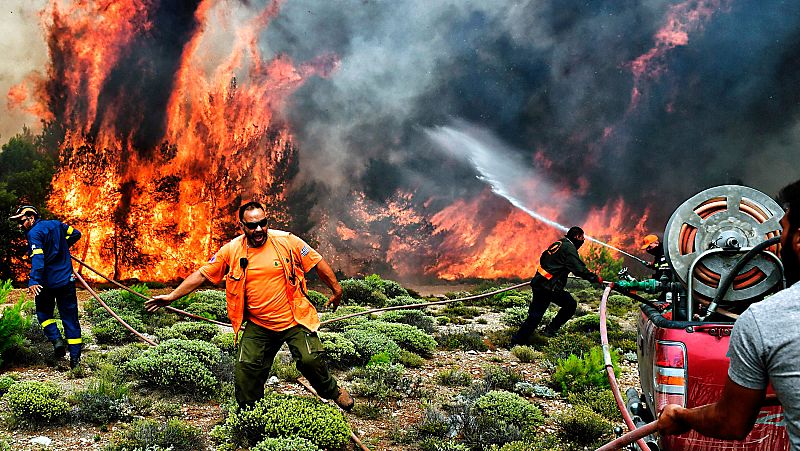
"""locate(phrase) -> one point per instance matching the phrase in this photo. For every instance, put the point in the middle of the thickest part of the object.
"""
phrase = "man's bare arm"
(329, 278)
(730, 418)
(187, 286)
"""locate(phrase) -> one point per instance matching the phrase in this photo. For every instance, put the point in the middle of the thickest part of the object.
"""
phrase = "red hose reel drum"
(724, 217)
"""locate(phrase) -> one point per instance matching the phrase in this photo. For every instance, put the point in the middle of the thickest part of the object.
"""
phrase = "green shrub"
(600, 401)
(620, 305)
(576, 374)
(341, 325)
(105, 399)
(361, 292)
(339, 351)
(407, 337)
(404, 300)
(380, 381)
(509, 299)
(13, 324)
(510, 408)
(188, 330)
(514, 316)
(583, 426)
(434, 423)
(285, 444)
(110, 331)
(371, 342)
(563, 345)
(180, 366)
(36, 403)
(149, 434)
(224, 342)
(119, 300)
(481, 431)
(209, 304)
(409, 359)
(525, 353)
(416, 318)
(453, 377)
(590, 323)
(442, 320)
(468, 340)
(499, 377)
(379, 358)
(277, 415)
(6, 382)
(286, 371)
(317, 299)
(121, 355)
(457, 309)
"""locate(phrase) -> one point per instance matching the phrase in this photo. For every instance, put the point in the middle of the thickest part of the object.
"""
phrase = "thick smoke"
(552, 78)
(23, 47)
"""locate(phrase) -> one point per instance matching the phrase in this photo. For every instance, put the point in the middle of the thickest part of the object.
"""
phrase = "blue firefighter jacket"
(49, 243)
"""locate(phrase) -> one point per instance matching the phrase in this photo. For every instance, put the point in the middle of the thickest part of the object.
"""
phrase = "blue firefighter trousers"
(67, 302)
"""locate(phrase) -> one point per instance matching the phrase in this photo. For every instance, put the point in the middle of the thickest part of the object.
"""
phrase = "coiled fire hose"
(635, 435)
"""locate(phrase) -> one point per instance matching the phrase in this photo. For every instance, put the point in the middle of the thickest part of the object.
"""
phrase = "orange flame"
(156, 214)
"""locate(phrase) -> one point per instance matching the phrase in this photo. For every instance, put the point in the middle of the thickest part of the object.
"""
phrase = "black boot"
(74, 362)
(59, 348)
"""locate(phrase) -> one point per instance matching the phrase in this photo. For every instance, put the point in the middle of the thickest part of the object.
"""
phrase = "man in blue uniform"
(51, 281)
(556, 263)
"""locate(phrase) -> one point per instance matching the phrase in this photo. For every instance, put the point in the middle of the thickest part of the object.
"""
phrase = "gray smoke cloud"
(551, 77)
(24, 51)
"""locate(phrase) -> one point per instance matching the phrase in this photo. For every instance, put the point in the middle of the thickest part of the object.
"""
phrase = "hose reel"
(710, 231)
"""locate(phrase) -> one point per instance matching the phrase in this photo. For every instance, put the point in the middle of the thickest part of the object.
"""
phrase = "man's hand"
(156, 302)
(34, 290)
(334, 300)
(670, 422)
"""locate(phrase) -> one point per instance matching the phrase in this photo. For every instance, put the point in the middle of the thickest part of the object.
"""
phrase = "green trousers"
(257, 351)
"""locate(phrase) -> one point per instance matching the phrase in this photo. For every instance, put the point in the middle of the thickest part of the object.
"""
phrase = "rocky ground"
(377, 434)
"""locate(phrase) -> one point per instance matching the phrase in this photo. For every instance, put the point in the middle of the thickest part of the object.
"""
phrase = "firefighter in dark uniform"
(555, 264)
(652, 245)
(51, 280)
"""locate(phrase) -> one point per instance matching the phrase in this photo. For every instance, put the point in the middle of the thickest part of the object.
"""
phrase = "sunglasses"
(254, 225)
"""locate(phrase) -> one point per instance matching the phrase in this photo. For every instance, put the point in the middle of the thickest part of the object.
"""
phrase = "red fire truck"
(722, 247)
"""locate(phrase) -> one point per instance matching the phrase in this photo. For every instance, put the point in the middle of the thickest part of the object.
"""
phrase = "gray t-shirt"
(765, 347)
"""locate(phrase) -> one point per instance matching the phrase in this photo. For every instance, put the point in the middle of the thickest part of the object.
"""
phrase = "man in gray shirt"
(764, 348)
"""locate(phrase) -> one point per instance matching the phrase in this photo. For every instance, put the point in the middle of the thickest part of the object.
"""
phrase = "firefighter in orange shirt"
(264, 272)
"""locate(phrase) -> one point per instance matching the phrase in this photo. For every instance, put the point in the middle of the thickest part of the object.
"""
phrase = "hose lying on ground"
(425, 304)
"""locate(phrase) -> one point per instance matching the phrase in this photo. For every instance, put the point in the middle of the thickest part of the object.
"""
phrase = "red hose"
(633, 436)
(110, 311)
(612, 380)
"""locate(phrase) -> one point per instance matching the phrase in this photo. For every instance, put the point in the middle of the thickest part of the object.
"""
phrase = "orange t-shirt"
(266, 299)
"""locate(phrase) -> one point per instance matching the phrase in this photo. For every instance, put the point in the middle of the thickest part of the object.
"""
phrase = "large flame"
(155, 205)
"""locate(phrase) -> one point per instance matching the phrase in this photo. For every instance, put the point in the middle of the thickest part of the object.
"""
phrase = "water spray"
(474, 144)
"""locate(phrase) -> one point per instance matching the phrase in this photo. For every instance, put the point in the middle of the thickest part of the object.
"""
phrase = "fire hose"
(425, 304)
(94, 294)
(635, 435)
(171, 309)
